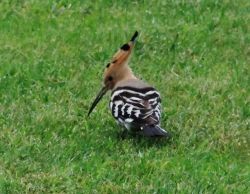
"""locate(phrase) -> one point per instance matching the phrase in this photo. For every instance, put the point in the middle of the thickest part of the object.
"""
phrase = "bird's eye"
(110, 78)
(108, 65)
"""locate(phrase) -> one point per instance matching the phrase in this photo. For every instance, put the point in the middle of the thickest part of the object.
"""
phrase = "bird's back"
(135, 104)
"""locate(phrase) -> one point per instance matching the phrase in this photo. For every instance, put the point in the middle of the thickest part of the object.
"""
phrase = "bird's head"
(116, 70)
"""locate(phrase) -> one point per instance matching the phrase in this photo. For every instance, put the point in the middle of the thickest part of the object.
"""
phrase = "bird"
(134, 104)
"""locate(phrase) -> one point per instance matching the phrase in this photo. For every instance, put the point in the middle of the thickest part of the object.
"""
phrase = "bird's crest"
(117, 69)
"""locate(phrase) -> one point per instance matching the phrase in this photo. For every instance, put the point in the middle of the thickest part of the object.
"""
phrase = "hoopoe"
(134, 104)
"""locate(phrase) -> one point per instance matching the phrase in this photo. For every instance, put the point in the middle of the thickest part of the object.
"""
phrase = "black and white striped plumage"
(136, 106)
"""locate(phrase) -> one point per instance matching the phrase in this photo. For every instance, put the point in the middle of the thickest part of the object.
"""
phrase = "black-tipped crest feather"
(134, 36)
(125, 47)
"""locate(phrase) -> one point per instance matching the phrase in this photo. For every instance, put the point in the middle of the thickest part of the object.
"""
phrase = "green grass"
(52, 55)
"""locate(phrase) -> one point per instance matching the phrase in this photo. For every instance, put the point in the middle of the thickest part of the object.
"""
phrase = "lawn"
(52, 56)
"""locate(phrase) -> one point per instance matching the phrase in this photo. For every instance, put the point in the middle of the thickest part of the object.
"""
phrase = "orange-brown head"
(116, 70)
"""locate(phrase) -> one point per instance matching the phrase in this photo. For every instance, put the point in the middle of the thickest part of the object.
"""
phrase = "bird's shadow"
(143, 141)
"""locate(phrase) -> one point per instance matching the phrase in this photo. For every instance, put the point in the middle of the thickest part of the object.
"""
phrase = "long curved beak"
(97, 99)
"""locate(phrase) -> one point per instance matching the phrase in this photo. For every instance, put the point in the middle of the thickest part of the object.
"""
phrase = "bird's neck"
(126, 74)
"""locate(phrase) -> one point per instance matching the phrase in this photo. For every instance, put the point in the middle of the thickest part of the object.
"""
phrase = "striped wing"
(136, 106)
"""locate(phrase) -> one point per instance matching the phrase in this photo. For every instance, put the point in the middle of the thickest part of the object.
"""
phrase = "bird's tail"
(155, 131)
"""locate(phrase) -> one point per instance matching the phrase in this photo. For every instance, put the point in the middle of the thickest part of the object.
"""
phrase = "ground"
(52, 55)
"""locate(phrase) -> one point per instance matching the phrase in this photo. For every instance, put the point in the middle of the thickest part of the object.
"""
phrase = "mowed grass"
(52, 55)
